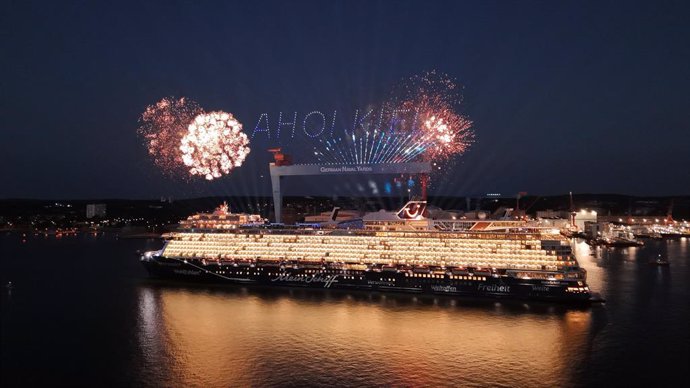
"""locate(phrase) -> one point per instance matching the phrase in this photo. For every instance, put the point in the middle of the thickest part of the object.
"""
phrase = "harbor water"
(81, 311)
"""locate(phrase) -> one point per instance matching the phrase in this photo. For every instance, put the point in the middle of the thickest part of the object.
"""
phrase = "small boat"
(659, 261)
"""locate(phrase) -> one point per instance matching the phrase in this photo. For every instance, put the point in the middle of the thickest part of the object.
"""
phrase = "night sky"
(589, 97)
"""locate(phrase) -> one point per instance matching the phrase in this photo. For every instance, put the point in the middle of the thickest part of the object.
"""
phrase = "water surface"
(83, 313)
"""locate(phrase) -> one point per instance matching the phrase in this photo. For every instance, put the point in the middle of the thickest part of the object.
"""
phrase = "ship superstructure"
(221, 219)
(396, 251)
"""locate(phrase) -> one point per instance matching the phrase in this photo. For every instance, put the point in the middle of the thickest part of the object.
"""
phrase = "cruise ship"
(399, 251)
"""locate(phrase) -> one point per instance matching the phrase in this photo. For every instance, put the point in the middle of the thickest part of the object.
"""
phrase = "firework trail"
(369, 148)
(162, 126)
(214, 145)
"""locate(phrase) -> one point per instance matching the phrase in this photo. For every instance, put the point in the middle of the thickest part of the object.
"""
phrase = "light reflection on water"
(245, 337)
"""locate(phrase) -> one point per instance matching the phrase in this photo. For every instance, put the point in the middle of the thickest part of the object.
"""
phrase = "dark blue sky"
(581, 96)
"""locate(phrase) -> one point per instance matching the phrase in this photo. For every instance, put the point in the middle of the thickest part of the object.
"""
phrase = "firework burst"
(438, 128)
(162, 126)
(214, 145)
(424, 126)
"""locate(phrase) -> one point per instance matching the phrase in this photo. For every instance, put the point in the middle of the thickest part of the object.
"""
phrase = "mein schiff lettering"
(327, 280)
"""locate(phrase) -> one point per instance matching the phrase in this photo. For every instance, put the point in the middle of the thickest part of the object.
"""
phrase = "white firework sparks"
(214, 145)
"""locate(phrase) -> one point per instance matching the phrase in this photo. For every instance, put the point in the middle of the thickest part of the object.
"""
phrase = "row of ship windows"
(425, 276)
(427, 241)
(375, 244)
(185, 251)
(378, 242)
(331, 251)
(507, 266)
(349, 259)
(359, 245)
(436, 276)
(500, 237)
(336, 250)
(511, 266)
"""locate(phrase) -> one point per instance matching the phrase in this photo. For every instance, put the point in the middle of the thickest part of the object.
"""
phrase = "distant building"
(584, 216)
(634, 220)
(95, 210)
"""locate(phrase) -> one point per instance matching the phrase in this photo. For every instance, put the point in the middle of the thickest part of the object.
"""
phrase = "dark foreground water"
(82, 313)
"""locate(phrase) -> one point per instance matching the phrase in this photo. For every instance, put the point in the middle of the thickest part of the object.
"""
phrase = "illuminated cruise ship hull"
(392, 251)
(376, 279)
